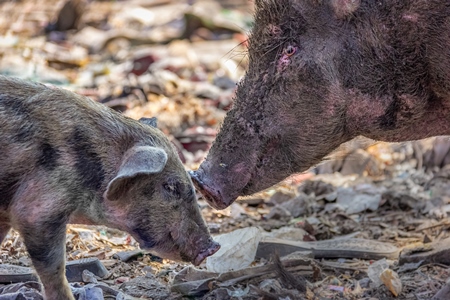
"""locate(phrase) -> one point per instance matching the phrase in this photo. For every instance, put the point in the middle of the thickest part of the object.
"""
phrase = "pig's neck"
(101, 212)
(89, 212)
(94, 209)
(413, 119)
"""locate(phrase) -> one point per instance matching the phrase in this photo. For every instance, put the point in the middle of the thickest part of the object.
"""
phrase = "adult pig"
(67, 159)
(321, 73)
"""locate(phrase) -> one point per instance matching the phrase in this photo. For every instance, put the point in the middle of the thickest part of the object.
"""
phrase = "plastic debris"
(376, 269)
(237, 252)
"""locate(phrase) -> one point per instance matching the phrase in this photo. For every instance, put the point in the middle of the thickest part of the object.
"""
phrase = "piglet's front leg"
(42, 225)
(46, 245)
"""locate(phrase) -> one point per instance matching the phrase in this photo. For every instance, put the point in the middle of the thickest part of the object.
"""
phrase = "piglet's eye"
(169, 187)
(290, 50)
(172, 188)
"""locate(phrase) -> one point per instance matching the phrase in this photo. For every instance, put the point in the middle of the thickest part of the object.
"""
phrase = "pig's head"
(152, 197)
(307, 90)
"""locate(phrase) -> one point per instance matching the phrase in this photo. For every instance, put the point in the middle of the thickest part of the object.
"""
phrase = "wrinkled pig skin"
(67, 159)
(322, 73)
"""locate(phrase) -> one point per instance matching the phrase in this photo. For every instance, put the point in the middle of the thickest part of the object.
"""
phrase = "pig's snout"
(213, 248)
(212, 196)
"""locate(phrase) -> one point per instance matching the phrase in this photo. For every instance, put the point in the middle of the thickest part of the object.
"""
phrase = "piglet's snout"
(210, 250)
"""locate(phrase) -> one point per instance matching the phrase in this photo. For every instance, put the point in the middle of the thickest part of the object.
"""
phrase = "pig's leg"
(40, 214)
(46, 244)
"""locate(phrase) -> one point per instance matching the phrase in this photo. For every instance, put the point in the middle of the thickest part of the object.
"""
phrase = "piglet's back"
(50, 130)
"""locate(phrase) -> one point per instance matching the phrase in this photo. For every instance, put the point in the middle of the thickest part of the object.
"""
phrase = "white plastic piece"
(376, 269)
(237, 250)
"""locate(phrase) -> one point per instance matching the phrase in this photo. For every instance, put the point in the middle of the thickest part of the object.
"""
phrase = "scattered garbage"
(376, 269)
(391, 279)
(238, 249)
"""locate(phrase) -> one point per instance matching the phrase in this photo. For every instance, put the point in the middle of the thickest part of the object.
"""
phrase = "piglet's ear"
(344, 8)
(140, 160)
(149, 121)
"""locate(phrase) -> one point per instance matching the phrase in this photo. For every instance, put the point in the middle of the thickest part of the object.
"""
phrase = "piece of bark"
(336, 248)
(194, 282)
(128, 255)
(289, 279)
(436, 252)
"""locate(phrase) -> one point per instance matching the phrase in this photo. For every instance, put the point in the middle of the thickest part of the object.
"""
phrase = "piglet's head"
(152, 197)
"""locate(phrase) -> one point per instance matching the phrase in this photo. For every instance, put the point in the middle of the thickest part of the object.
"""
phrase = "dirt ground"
(372, 212)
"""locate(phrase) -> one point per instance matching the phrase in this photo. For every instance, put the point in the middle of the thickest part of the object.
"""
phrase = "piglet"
(67, 159)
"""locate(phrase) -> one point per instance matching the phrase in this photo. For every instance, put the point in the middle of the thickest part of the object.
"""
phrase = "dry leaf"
(392, 281)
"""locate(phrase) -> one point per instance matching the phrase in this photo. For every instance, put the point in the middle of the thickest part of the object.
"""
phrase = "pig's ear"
(140, 160)
(344, 8)
(149, 121)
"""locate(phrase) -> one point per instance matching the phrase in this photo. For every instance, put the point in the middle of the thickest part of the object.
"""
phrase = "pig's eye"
(290, 50)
